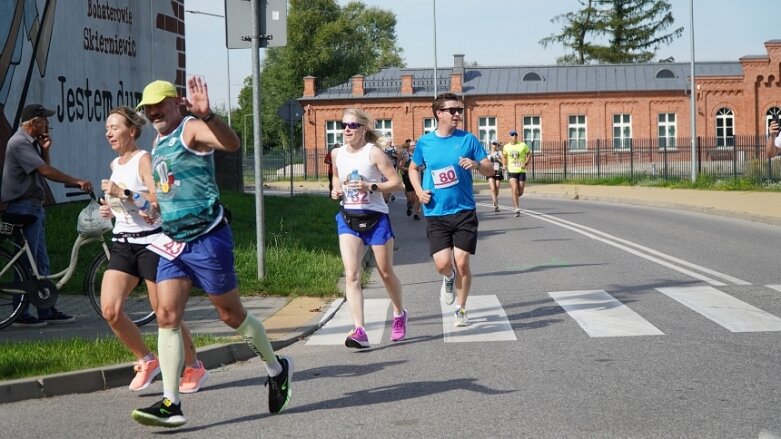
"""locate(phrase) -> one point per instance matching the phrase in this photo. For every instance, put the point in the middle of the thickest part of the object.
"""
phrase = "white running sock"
(170, 349)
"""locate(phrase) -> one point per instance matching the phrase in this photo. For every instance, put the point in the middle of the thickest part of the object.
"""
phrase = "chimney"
(457, 75)
(406, 84)
(458, 64)
(310, 86)
(357, 81)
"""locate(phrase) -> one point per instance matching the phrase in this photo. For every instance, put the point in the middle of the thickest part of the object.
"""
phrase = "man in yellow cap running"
(197, 249)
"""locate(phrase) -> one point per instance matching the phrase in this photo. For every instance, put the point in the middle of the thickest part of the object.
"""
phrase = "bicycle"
(20, 282)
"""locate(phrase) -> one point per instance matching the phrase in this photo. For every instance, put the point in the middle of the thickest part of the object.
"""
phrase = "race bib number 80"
(444, 177)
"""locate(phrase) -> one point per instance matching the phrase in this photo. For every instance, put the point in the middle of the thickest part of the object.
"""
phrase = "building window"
(486, 131)
(532, 132)
(622, 132)
(666, 130)
(385, 127)
(577, 133)
(333, 133)
(772, 113)
(725, 128)
(531, 76)
(429, 125)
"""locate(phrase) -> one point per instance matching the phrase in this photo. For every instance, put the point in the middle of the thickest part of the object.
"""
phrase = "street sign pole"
(258, 140)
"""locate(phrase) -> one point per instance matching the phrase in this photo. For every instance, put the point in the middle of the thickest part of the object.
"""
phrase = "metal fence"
(635, 159)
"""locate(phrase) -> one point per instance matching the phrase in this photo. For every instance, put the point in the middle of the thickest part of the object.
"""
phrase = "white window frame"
(666, 130)
(429, 125)
(385, 127)
(486, 131)
(725, 128)
(772, 111)
(577, 132)
(622, 132)
(532, 132)
(333, 133)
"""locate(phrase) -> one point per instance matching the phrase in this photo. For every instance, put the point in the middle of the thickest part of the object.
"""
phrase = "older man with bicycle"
(25, 171)
(197, 249)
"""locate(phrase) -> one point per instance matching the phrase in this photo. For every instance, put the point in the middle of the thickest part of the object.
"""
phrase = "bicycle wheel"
(137, 305)
(11, 302)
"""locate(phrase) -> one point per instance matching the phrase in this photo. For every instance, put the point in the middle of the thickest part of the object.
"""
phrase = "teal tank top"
(186, 188)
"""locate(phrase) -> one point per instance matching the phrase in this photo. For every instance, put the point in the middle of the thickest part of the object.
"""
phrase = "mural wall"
(81, 58)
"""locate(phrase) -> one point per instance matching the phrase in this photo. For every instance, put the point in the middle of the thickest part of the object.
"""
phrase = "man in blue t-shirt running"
(449, 156)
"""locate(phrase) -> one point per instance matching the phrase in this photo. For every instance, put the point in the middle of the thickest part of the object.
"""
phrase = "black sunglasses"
(453, 111)
(351, 125)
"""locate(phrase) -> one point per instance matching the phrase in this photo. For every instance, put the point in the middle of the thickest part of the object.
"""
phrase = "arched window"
(531, 76)
(665, 74)
(772, 113)
(725, 128)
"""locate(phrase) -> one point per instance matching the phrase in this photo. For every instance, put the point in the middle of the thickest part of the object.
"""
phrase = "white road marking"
(375, 314)
(729, 312)
(644, 252)
(488, 321)
(602, 315)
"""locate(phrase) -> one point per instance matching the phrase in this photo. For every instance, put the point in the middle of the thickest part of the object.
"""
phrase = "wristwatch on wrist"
(209, 117)
(373, 188)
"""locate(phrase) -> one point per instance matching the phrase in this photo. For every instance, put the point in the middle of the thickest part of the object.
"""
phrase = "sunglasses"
(453, 111)
(351, 125)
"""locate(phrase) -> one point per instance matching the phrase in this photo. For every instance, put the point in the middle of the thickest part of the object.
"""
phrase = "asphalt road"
(590, 320)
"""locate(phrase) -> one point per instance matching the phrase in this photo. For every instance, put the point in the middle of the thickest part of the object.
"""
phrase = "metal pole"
(228, 56)
(258, 142)
(290, 122)
(693, 93)
(435, 48)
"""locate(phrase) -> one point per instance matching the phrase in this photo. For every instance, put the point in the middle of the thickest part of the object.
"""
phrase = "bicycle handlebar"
(80, 192)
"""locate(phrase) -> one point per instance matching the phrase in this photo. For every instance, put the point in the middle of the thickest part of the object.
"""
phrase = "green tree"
(329, 42)
(633, 30)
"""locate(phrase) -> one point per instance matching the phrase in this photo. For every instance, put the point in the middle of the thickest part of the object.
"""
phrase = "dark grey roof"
(480, 81)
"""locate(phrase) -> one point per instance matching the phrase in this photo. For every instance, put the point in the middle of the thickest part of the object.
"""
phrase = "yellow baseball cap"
(155, 92)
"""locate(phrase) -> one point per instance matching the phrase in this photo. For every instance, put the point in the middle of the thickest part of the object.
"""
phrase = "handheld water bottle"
(355, 176)
(140, 202)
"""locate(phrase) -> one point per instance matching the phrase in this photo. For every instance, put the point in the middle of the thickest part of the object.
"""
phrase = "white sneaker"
(517, 213)
(448, 291)
(461, 318)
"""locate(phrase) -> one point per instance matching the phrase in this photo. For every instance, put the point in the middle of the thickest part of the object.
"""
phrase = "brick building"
(565, 110)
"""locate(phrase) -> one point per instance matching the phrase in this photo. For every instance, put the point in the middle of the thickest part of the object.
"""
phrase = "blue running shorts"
(207, 260)
(379, 235)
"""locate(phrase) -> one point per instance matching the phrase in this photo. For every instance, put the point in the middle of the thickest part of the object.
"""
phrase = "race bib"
(354, 197)
(166, 247)
(444, 177)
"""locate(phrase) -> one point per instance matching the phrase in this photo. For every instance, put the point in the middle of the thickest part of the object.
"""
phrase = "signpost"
(255, 24)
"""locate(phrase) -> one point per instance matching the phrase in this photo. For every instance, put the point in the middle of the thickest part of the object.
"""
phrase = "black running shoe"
(279, 390)
(163, 413)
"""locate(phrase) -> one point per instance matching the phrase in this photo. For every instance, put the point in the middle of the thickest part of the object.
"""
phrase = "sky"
(491, 33)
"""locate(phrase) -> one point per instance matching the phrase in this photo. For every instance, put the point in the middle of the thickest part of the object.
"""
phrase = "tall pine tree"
(614, 31)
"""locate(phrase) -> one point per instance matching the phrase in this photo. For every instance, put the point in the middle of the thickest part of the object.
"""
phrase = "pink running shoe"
(357, 338)
(399, 329)
(193, 378)
(146, 371)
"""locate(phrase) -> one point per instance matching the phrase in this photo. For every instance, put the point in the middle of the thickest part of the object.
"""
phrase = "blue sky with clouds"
(493, 32)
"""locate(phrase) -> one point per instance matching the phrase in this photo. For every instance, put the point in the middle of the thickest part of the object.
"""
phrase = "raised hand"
(197, 100)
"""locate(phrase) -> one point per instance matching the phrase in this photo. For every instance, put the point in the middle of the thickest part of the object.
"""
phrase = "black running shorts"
(133, 259)
(456, 230)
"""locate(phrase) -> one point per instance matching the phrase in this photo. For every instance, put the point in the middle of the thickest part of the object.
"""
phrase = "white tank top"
(127, 219)
(346, 161)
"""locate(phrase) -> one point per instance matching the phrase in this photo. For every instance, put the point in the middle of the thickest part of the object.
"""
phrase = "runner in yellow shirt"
(516, 158)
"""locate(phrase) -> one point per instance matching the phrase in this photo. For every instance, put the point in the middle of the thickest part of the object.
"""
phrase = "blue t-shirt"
(449, 183)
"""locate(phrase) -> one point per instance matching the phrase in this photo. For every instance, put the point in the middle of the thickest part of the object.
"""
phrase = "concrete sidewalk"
(288, 321)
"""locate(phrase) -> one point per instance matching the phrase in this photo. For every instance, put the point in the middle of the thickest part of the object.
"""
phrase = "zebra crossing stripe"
(774, 287)
(725, 310)
(375, 314)
(602, 315)
(488, 321)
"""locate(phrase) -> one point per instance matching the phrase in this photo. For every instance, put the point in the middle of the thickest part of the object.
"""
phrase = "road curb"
(119, 375)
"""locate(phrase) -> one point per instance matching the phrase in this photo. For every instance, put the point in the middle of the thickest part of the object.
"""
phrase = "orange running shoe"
(193, 378)
(146, 371)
